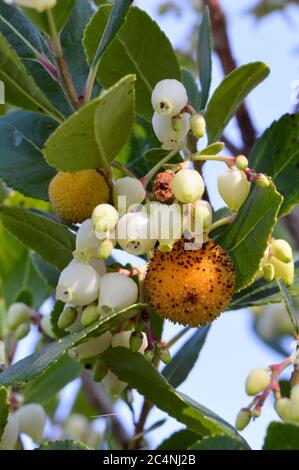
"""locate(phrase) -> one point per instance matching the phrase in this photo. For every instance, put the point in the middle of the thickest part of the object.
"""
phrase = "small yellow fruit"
(190, 287)
(74, 195)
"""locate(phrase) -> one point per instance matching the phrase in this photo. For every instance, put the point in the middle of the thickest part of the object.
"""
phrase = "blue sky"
(232, 350)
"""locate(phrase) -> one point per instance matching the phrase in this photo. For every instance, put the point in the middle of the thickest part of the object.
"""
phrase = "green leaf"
(140, 374)
(212, 149)
(217, 443)
(47, 270)
(183, 361)
(18, 273)
(115, 21)
(157, 154)
(262, 292)
(22, 165)
(190, 84)
(95, 134)
(4, 409)
(289, 304)
(37, 363)
(230, 94)
(64, 445)
(53, 241)
(204, 57)
(180, 440)
(60, 12)
(282, 436)
(44, 388)
(152, 62)
(20, 88)
(276, 153)
(245, 240)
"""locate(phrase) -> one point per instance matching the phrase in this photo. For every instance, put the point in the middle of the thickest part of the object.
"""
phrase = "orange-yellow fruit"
(74, 195)
(190, 287)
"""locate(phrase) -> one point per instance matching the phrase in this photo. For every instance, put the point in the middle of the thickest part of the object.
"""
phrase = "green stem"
(177, 337)
(146, 179)
(215, 158)
(63, 71)
(119, 166)
(90, 83)
(221, 222)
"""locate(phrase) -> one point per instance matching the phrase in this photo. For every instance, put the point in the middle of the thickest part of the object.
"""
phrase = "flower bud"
(234, 188)
(32, 420)
(169, 97)
(129, 188)
(169, 138)
(166, 223)
(112, 385)
(188, 186)
(268, 272)
(165, 356)
(203, 213)
(124, 339)
(22, 331)
(283, 270)
(117, 292)
(10, 435)
(282, 251)
(46, 326)
(283, 408)
(90, 315)
(17, 314)
(176, 123)
(92, 347)
(136, 340)
(104, 219)
(105, 249)
(257, 381)
(67, 318)
(262, 181)
(86, 242)
(241, 162)
(243, 419)
(78, 284)
(100, 371)
(294, 405)
(133, 233)
(198, 125)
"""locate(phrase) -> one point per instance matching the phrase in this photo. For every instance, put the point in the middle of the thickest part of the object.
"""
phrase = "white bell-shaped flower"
(104, 219)
(117, 292)
(169, 97)
(86, 242)
(128, 192)
(32, 420)
(233, 187)
(163, 128)
(78, 284)
(188, 186)
(10, 435)
(17, 314)
(133, 233)
(92, 347)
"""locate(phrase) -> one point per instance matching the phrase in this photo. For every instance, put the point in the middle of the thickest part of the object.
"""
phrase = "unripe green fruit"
(17, 314)
(90, 315)
(241, 162)
(32, 420)
(243, 419)
(282, 251)
(67, 318)
(22, 331)
(283, 408)
(100, 371)
(198, 125)
(268, 272)
(257, 381)
(294, 408)
(283, 270)
(136, 341)
(10, 435)
(129, 188)
(104, 219)
(188, 186)
(234, 188)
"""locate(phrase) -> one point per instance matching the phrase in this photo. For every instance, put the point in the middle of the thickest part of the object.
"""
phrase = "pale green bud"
(176, 123)
(105, 249)
(257, 381)
(67, 318)
(262, 181)
(104, 219)
(268, 272)
(294, 408)
(22, 331)
(198, 125)
(10, 435)
(124, 339)
(129, 188)
(188, 186)
(100, 371)
(47, 326)
(283, 408)
(136, 341)
(282, 251)
(233, 187)
(86, 242)
(283, 270)
(90, 315)
(204, 214)
(241, 162)
(17, 314)
(165, 355)
(243, 419)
